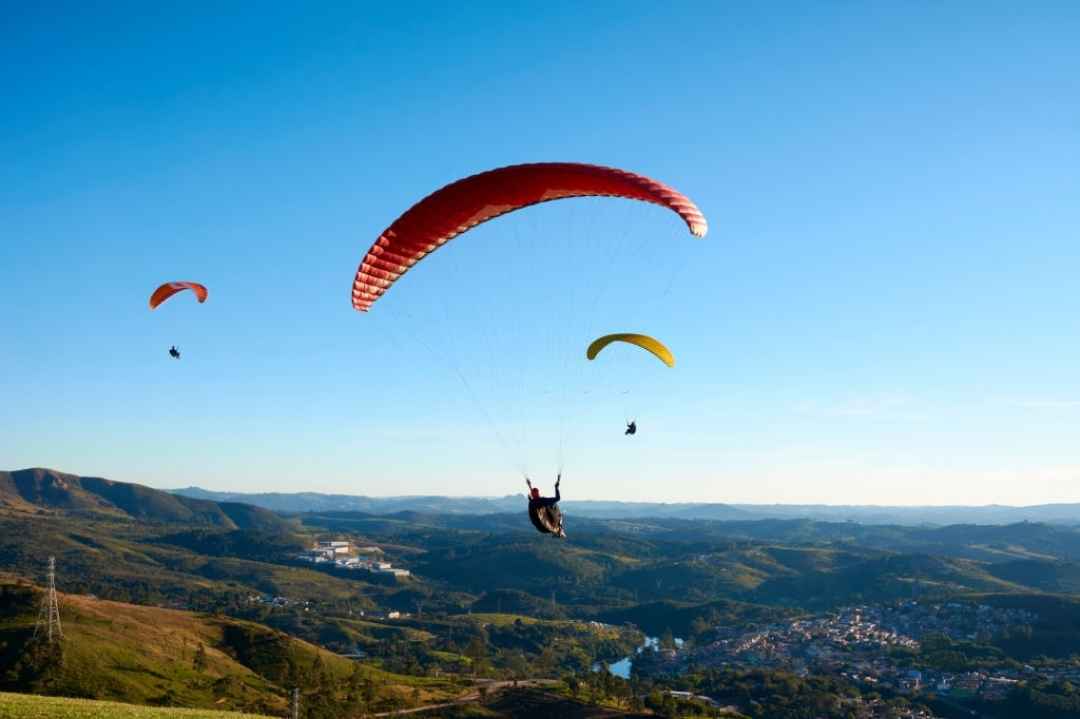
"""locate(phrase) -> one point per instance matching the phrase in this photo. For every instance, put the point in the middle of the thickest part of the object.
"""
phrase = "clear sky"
(886, 309)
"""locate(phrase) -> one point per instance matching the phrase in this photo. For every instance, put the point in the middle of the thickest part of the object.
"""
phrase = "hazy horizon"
(637, 501)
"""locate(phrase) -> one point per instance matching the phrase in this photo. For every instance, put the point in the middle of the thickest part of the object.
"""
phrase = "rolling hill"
(150, 655)
(36, 490)
(134, 543)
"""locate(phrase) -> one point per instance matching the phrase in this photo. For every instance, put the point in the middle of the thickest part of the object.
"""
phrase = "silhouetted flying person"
(544, 511)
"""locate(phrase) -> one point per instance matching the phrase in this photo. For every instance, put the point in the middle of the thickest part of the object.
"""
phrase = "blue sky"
(885, 309)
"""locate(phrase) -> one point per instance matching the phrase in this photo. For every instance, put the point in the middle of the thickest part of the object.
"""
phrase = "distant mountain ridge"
(316, 502)
(39, 489)
(299, 502)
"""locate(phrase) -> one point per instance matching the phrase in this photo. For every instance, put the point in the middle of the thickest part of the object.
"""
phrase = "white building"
(397, 572)
(334, 547)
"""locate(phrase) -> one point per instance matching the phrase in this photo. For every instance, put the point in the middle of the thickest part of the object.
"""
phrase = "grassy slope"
(139, 654)
(27, 706)
(145, 651)
(48, 490)
(881, 579)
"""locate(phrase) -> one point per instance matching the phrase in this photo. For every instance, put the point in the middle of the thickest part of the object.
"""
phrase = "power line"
(48, 622)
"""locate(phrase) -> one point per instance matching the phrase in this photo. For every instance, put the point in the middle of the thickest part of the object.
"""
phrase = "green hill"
(1046, 576)
(529, 566)
(127, 562)
(691, 580)
(880, 579)
(683, 619)
(513, 601)
(1056, 632)
(149, 655)
(36, 490)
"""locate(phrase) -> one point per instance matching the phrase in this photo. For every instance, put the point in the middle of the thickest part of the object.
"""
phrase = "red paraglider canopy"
(169, 289)
(464, 204)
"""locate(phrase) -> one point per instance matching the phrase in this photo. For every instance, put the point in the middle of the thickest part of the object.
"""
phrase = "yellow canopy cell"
(651, 344)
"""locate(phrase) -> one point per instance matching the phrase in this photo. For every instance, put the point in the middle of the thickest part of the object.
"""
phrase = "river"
(622, 667)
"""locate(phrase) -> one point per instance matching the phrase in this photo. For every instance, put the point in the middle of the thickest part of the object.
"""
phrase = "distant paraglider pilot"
(544, 511)
(631, 428)
(174, 353)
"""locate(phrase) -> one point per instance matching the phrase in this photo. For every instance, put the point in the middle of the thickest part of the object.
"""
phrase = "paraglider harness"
(631, 428)
(174, 353)
(544, 511)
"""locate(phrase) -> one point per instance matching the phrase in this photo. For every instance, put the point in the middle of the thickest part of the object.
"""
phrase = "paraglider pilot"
(535, 498)
(174, 353)
(631, 428)
(544, 511)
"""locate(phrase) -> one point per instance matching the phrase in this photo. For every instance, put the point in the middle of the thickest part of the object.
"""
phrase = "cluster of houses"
(820, 640)
(345, 555)
(855, 643)
(989, 685)
(957, 620)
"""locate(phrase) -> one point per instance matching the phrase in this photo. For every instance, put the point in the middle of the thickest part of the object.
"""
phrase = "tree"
(38, 668)
(199, 662)
(546, 663)
(518, 666)
(367, 691)
(477, 651)
(356, 679)
(321, 677)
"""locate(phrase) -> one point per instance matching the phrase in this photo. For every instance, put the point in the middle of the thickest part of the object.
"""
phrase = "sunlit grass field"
(27, 706)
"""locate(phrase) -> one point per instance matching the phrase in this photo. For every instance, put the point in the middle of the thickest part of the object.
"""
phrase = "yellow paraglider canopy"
(653, 345)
